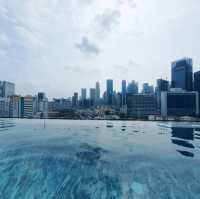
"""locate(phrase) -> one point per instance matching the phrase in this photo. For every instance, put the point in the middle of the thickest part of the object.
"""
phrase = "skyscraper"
(197, 84)
(83, 94)
(75, 100)
(6, 89)
(42, 105)
(148, 89)
(41, 96)
(132, 88)
(97, 93)
(162, 85)
(92, 96)
(181, 73)
(123, 93)
(109, 92)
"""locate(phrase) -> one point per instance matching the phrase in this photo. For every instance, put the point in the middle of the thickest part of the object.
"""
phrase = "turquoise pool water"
(99, 159)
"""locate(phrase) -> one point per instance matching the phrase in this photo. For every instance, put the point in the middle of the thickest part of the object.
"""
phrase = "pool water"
(99, 159)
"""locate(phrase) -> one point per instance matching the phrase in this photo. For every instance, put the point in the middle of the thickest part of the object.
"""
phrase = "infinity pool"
(99, 159)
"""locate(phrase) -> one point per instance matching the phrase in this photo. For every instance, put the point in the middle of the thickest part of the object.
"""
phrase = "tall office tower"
(6, 89)
(83, 94)
(41, 96)
(42, 105)
(92, 96)
(109, 92)
(181, 72)
(132, 88)
(123, 93)
(75, 100)
(197, 84)
(162, 85)
(147, 89)
(97, 98)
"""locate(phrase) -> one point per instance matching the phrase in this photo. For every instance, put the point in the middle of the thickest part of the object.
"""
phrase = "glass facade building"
(181, 73)
(83, 94)
(179, 103)
(141, 105)
(92, 96)
(162, 85)
(123, 93)
(97, 93)
(132, 88)
(109, 92)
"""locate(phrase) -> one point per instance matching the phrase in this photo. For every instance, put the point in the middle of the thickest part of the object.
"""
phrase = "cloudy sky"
(59, 46)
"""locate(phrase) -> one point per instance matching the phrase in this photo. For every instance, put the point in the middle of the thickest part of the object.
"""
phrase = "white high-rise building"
(6, 89)
(15, 106)
(97, 93)
(4, 107)
(42, 105)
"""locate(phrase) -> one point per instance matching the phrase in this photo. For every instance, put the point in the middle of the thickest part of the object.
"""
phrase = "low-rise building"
(178, 102)
(141, 105)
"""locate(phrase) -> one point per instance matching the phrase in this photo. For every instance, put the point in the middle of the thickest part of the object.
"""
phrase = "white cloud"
(39, 36)
(87, 47)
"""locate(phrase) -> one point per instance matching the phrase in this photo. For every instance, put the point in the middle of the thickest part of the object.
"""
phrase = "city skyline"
(177, 98)
(140, 88)
(55, 45)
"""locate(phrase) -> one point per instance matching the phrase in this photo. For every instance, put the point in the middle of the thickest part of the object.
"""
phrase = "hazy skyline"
(60, 46)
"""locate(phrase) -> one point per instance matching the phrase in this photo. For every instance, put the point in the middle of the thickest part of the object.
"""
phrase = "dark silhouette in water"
(183, 143)
(183, 133)
(186, 153)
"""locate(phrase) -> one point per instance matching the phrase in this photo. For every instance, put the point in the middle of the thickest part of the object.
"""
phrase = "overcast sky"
(60, 46)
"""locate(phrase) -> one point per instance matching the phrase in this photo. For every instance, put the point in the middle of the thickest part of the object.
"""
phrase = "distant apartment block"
(28, 107)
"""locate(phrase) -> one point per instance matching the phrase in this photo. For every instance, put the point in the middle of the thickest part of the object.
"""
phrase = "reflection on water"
(5, 125)
(186, 153)
(185, 137)
(183, 133)
(99, 160)
(183, 143)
